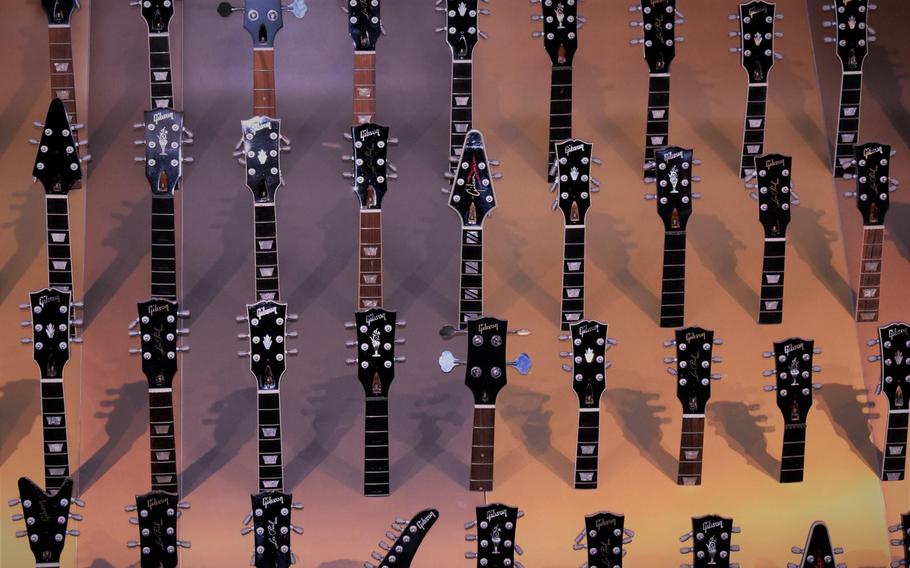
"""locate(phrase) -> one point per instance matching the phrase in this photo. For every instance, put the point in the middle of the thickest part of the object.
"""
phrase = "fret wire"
(658, 113)
(53, 421)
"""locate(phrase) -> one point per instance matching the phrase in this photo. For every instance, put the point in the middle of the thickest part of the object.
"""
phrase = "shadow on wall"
(18, 407)
(813, 243)
(744, 431)
(435, 420)
(638, 415)
(28, 236)
(707, 234)
(899, 230)
(848, 414)
(341, 564)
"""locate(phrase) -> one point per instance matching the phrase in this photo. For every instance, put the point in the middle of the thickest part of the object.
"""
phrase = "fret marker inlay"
(62, 67)
(58, 237)
(162, 429)
(269, 432)
(773, 278)
(266, 244)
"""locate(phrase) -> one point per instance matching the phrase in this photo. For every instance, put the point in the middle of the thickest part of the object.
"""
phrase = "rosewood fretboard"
(63, 81)
(482, 448)
(847, 122)
(462, 117)
(573, 276)
(658, 121)
(587, 449)
(470, 304)
(53, 421)
(560, 113)
(895, 452)
(364, 87)
(163, 441)
(369, 288)
(754, 131)
(870, 276)
(691, 449)
(264, 82)
(673, 288)
(771, 304)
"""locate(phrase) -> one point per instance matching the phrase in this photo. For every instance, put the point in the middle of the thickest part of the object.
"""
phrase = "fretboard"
(271, 470)
(63, 82)
(364, 87)
(754, 131)
(376, 448)
(560, 113)
(53, 420)
(771, 304)
(793, 456)
(673, 289)
(163, 445)
(161, 91)
(369, 288)
(847, 122)
(895, 452)
(264, 82)
(587, 448)
(164, 249)
(470, 304)
(266, 252)
(691, 449)
(658, 125)
(573, 277)
(870, 274)
(462, 107)
(482, 448)
(59, 255)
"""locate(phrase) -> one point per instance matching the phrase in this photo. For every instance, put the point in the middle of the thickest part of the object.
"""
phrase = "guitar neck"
(895, 451)
(59, 253)
(588, 446)
(793, 455)
(63, 81)
(161, 89)
(673, 290)
(870, 275)
(658, 122)
(771, 304)
(691, 449)
(847, 122)
(560, 112)
(53, 421)
(271, 469)
(376, 448)
(364, 87)
(369, 289)
(164, 249)
(482, 448)
(462, 107)
(264, 82)
(573, 276)
(163, 442)
(470, 304)
(266, 229)
(754, 131)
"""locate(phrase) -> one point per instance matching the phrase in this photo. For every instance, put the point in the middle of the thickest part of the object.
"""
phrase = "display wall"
(431, 412)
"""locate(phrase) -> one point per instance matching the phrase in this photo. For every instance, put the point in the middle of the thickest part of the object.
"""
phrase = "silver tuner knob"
(184, 544)
(829, 39)
(350, 343)
(668, 360)
(243, 354)
(669, 343)
(768, 373)
(873, 358)
(769, 388)
(136, 125)
(401, 323)
(401, 359)
(73, 532)
(133, 521)
(816, 386)
(296, 529)
(400, 341)
(635, 24)
(733, 34)
(293, 317)
(671, 371)
(650, 196)
(293, 352)
(716, 377)
(536, 34)
(138, 142)
(246, 530)
(767, 354)
(132, 544)
(350, 361)
(349, 325)
(297, 506)
(78, 502)
(17, 517)
(872, 342)
(183, 505)
(778, 34)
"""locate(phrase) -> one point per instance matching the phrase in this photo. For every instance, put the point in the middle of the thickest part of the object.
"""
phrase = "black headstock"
(158, 341)
(472, 194)
(262, 19)
(850, 18)
(59, 11)
(658, 20)
(773, 179)
(694, 350)
(364, 23)
(589, 347)
(267, 321)
(262, 152)
(496, 527)
(560, 30)
(903, 542)
(46, 517)
(486, 361)
(793, 369)
(157, 513)
(272, 529)
(711, 546)
(371, 144)
(873, 162)
(894, 342)
(57, 163)
(375, 351)
(573, 168)
(756, 26)
(50, 322)
(401, 553)
(819, 552)
(157, 14)
(461, 28)
(163, 150)
(606, 535)
(673, 176)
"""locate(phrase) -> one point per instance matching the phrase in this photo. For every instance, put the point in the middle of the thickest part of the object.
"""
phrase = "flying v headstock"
(400, 553)
(163, 143)
(371, 177)
(262, 147)
(471, 195)
(364, 23)
(57, 165)
(659, 19)
(46, 517)
(157, 14)
(376, 350)
(589, 364)
(793, 368)
(573, 180)
(692, 369)
(903, 542)
(894, 343)
(756, 34)
(59, 11)
(873, 184)
(673, 176)
(560, 29)
(496, 527)
(711, 546)
(461, 26)
(262, 19)
(818, 552)
(852, 32)
(606, 534)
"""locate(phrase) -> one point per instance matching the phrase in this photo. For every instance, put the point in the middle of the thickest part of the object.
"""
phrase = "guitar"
(793, 368)
(606, 534)
(659, 19)
(873, 186)
(756, 34)
(485, 375)
(692, 369)
(496, 527)
(673, 177)
(461, 36)
(560, 38)
(401, 552)
(894, 344)
(818, 552)
(852, 40)
(365, 27)
(711, 546)
(376, 370)
(573, 182)
(157, 15)
(588, 369)
(904, 542)
(46, 512)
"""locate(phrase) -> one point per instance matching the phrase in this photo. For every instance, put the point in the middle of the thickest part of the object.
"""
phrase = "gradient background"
(431, 412)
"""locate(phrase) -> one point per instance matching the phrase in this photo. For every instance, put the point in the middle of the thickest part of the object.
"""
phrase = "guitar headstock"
(156, 516)
(158, 341)
(461, 27)
(694, 356)
(267, 322)
(774, 185)
(371, 144)
(711, 542)
(271, 518)
(852, 33)
(262, 19)
(659, 19)
(496, 527)
(818, 552)
(873, 186)
(560, 29)
(793, 368)
(401, 552)
(673, 176)
(59, 11)
(262, 152)
(51, 318)
(606, 534)
(903, 542)
(756, 34)
(573, 174)
(46, 517)
(894, 343)
(472, 195)
(163, 150)
(364, 23)
(589, 364)
(375, 351)
(157, 14)
(57, 164)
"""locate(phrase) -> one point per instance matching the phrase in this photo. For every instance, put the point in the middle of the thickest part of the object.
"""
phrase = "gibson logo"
(672, 156)
(47, 299)
(571, 149)
(772, 163)
(487, 327)
(601, 523)
(708, 525)
(152, 503)
(892, 333)
(272, 500)
(757, 10)
(375, 317)
(869, 151)
(422, 523)
(159, 116)
(587, 329)
(263, 124)
(154, 309)
(694, 335)
(493, 514)
(791, 348)
(266, 311)
(364, 134)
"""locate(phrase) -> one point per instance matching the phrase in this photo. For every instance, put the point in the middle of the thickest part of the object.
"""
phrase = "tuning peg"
(184, 544)
(132, 544)
(829, 39)
(686, 550)
(733, 34)
(768, 373)
(522, 363)
(668, 360)
(873, 358)
(671, 371)
(291, 352)
(25, 340)
(133, 521)
(680, 39)
(17, 517)
(849, 194)
(685, 537)
(225, 9)
(635, 24)
(872, 342)
(470, 555)
(779, 56)
(650, 197)
(246, 530)
(696, 195)
(636, 41)
(555, 205)
(769, 388)
(716, 377)
(73, 532)
(350, 361)
(243, 353)
(450, 331)
(401, 359)
(447, 361)
(669, 343)
(635, 8)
